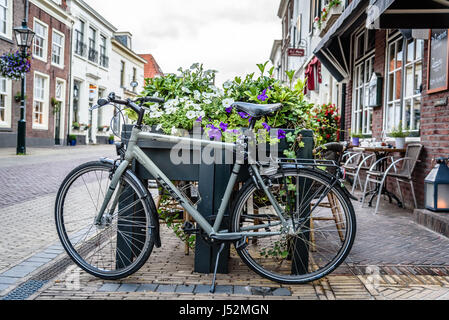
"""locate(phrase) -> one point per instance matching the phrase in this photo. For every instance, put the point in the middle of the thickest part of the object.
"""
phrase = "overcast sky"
(230, 36)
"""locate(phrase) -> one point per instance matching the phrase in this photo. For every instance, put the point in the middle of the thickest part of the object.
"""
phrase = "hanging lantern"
(437, 187)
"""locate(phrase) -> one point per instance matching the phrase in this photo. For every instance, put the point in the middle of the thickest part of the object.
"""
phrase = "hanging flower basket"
(14, 66)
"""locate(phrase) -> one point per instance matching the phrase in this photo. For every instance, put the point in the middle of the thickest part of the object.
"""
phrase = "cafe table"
(382, 156)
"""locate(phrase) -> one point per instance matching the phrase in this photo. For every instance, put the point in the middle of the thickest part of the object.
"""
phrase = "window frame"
(395, 38)
(45, 40)
(361, 113)
(6, 96)
(62, 48)
(92, 49)
(9, 21)
(44, 101)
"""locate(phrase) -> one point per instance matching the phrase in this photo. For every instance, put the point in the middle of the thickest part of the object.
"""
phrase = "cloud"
(231, 36)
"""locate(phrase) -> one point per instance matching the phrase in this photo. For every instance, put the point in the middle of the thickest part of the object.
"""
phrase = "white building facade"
(127, 75)
(102, 62)
(300, 31)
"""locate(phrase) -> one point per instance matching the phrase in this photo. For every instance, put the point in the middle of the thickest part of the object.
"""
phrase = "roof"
(152, 69)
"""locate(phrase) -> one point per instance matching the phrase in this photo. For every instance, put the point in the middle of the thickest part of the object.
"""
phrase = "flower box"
(212, 181)
(333, 14)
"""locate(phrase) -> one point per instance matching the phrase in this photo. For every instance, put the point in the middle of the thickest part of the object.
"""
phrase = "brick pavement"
(392, 258)
(28, 187)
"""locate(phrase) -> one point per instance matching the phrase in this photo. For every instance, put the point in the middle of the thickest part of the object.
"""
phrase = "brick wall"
(46, 137)
(6, 45)
(434, 127)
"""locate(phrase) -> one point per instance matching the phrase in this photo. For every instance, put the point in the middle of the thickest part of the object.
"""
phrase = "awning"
(408, 14)
(334, 49)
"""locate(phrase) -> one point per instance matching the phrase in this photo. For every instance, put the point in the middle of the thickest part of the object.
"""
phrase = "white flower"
(187, 90)
(227, 84)
(173, 130)
(191, 114)
(196, 107)
(159, 126)
(228, 102)
(200, 114)
(197, 95)
(207, 101)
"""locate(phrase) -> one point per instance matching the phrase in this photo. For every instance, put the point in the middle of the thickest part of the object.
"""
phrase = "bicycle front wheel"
(316, 238)
(122, 242)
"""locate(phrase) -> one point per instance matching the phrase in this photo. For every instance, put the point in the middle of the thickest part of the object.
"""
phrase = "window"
(80, 46)
(39, 100)
(104, 60)
(93, 54)
(57, 53)
(4, 16)
(122, 74)
(4, 105)
(404, 85)
(40, 41)
(362, 114)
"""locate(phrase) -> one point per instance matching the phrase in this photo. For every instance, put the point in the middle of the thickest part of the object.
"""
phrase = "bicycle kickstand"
(212, 288)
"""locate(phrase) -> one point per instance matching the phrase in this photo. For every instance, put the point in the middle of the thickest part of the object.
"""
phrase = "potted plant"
(399, 134)
(356, 138)
(111, 139)
(72, 140)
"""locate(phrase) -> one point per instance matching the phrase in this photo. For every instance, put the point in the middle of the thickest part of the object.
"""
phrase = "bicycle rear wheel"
(123, 241)
(321, 227)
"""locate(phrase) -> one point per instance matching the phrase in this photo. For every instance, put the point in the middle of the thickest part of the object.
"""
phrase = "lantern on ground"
(437, 187)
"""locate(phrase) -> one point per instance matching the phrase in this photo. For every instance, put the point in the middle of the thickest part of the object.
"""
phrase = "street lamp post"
(24, 39)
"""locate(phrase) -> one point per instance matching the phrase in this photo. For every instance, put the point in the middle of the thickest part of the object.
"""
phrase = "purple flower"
(266, 126)
(200, 119)
(224, 126)
(281, 134)
(243, 115)
(263, 96)
(215, 134)
(229, 109)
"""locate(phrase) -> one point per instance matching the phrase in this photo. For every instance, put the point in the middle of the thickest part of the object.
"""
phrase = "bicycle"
(292, 225)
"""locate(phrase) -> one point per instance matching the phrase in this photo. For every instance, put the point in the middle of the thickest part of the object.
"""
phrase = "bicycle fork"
(110, 192)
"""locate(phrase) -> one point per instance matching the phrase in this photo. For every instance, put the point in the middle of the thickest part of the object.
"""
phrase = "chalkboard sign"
(437, 71)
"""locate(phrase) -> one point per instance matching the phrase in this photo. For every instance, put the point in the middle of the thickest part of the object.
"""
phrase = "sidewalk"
(392, 258)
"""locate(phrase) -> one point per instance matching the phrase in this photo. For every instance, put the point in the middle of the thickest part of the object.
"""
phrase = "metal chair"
(403, 174)
(355, 164)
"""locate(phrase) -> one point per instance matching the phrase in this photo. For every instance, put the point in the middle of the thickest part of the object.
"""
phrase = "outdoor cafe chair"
(355, 164)
(402, 174)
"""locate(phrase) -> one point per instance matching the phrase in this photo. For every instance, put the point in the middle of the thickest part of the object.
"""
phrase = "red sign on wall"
(294, 52)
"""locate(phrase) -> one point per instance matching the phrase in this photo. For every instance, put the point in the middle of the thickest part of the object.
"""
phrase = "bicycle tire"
(144, 201)
(236, 220)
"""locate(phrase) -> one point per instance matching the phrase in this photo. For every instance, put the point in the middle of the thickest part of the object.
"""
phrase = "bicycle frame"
(134, 152)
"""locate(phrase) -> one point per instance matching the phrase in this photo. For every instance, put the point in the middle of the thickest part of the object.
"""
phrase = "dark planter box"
(212, 184)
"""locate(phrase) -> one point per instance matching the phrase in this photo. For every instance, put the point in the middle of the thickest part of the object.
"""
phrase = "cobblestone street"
(392, 258)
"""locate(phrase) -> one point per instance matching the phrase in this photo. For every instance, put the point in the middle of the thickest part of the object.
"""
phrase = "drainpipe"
(69, 105)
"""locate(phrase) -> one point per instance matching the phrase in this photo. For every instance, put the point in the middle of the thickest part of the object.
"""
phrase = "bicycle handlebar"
(135, 105)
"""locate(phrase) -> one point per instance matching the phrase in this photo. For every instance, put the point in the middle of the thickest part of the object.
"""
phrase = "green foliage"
(72, 137)
(191, 97)
(399, 132)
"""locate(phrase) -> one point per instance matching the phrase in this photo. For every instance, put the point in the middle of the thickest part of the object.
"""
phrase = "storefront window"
(404, 85)
(362, 114)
